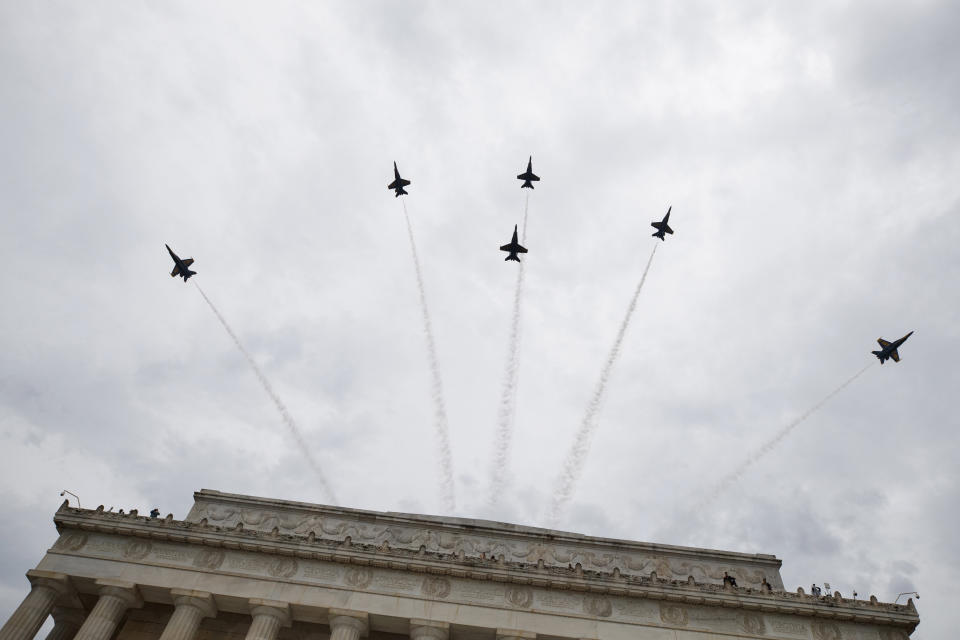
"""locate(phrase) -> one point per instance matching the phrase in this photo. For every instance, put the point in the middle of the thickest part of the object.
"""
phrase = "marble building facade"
(247, 568)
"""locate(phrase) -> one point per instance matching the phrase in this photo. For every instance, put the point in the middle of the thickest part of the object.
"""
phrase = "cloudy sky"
(810, 155)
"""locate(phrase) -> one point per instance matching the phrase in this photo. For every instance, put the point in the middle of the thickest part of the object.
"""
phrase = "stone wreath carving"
(209, 559)
(359, 577)
(136, 550)
(520, 597)
(674, 614)
(73, 541)
(753, 623)
(282, 567)
(826, 631)
(435, 587)
(597, 606)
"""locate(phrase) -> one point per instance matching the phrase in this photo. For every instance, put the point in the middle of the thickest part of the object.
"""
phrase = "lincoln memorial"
(241, 567)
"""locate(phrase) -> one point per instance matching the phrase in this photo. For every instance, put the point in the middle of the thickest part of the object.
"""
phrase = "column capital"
(357, 620)
(515, 634)
(59, 582)
(125, 591)
(202, 600)
(69, 616)
(273, 608)
(429, 629)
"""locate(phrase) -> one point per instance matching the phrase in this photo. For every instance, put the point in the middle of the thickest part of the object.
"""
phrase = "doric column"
(268, 617)
(46, 587)
(66, 622)
(429, 630)
(191, 607)
(513, 634)
(348, 625)
(116, 597)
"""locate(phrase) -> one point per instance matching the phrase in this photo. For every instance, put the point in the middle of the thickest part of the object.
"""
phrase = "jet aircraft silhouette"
(528, 175)
(398, 183)
(182, 266)
(889, 349)
(662, 227)
(513, 248)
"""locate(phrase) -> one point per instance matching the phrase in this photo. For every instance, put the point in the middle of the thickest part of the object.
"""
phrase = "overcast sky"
(810, 152)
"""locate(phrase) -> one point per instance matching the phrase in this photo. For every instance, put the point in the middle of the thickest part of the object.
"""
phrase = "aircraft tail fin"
(186, 276)
(526, 185)
(513, 257)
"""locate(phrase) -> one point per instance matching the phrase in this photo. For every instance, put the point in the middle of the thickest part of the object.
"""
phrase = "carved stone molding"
(438, 539)
(392, 570)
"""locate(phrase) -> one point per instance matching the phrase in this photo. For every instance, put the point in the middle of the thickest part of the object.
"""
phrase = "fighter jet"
(528, 175)
(889, 349)
(182, 266)
(513, 248)
(662, 227)
(398, 183)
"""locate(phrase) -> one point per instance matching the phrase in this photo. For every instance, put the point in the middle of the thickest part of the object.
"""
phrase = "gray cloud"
(809, 153)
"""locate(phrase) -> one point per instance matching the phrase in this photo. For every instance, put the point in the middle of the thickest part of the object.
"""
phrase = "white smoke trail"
(284, 413)
(768, 446)
(577, 456)
(442, 432)
(508, 398)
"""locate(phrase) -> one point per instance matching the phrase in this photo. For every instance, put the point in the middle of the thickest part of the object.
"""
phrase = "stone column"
(191, 608)
(429, 630)
(116, 597)
(268, 617)
(348, 625)
(66, 622)
(46, 588)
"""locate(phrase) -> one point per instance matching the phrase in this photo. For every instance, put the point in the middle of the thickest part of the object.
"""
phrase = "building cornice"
(573, 578)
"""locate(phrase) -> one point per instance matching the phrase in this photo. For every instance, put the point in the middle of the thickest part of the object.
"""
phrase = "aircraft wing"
(883, 343)
(895, 356)
(175, 272)
(188, 262)
(521, 249)
(506, 247)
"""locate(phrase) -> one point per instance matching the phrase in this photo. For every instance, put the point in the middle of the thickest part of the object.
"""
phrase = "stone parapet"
(480, 540)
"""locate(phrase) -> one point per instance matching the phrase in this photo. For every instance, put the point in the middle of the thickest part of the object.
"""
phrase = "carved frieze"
(439, 541)
(397, 582)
